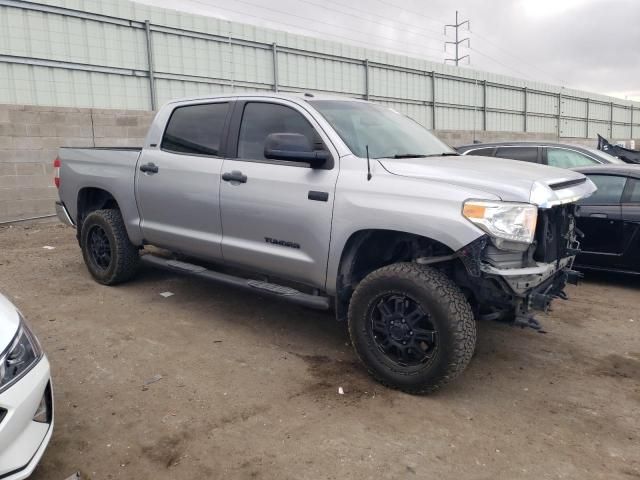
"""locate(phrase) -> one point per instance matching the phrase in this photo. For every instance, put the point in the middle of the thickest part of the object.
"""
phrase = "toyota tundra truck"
(335, 204)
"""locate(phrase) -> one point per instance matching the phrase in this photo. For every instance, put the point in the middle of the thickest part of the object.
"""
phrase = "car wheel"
(110, 256)
(412, 327)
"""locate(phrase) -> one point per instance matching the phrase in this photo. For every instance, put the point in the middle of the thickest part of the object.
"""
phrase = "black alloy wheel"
(402, 329)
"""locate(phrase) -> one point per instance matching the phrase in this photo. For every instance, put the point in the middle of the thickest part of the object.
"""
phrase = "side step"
(279, 291)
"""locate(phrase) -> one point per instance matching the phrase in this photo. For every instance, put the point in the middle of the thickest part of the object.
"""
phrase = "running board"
(279, 291)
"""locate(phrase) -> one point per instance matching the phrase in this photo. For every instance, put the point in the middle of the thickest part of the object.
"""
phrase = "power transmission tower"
(458, 41)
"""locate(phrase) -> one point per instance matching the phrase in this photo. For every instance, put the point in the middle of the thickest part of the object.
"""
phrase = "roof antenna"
(368, 164)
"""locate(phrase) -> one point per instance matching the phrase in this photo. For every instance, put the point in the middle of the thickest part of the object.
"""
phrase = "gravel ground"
(249, 386)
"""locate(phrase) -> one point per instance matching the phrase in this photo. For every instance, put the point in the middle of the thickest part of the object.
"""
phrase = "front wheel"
(412, 327)
(110, 256)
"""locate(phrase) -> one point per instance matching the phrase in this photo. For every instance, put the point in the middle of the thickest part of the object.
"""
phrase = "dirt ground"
(249, 385)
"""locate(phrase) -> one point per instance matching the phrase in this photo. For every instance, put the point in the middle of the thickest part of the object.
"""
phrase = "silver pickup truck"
(338, 204)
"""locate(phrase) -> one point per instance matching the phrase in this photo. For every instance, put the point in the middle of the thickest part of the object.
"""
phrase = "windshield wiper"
(409, 155)
(444, 154)
(419, 155)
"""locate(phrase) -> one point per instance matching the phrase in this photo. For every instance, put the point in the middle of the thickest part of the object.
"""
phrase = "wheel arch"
(90, 199)
(367, 250)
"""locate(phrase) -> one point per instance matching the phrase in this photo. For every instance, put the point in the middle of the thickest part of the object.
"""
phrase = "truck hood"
(9, 323)
(511, 180)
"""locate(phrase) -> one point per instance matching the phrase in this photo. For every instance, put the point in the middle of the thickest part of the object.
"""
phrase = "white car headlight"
(514, 222)
(23, 353)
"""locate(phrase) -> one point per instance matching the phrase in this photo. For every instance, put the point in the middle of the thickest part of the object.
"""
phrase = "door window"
(559, 157)
(259, 120)
(610, 188)
(525, 154)
(634, 191)
(196, 129)
(483, 152)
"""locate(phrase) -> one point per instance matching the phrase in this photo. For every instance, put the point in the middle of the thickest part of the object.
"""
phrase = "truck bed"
(112, 169)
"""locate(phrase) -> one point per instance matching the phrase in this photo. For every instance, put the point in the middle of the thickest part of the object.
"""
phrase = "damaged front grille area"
(555, 234)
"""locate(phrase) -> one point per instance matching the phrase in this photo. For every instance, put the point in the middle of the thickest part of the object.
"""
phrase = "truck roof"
(296, 96)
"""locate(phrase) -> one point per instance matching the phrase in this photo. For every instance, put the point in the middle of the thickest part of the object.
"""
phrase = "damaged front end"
(511, 282)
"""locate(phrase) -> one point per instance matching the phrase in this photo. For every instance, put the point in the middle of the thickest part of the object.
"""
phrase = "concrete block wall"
(31, 135)
(29, 140)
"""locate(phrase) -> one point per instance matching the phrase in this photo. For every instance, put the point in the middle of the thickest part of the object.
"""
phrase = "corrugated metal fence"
(84, 53)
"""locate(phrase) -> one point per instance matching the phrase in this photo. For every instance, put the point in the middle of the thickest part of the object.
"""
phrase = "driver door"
(276, 215)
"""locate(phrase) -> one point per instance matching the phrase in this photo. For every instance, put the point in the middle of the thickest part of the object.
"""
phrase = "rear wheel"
(412, 327)
(110, 256)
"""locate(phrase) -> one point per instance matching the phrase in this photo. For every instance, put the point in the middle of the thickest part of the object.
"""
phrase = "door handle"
(318, 196)
(599, 215)
(234, 176)
(149, 168)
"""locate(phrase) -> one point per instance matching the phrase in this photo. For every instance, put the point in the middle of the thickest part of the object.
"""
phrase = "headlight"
(514, 222)
(23, 353)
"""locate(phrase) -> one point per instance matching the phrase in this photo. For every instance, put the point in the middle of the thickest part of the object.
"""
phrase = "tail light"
(56, 171)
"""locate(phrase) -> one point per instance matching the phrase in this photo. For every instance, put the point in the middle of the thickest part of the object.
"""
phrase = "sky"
(591, 45)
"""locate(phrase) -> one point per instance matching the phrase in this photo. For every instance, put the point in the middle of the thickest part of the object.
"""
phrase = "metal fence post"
(152, 80)
(611, 119)
(586, 135)
(433, 100)
(525, 109)
(366, 79)
(559, 113)
(631, 125)
(484, 105)
(274, 49)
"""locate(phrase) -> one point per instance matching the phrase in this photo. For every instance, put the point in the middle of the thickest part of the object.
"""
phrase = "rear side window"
(196, 129)
(609, 192)
(525, 154)
(559, 157)
(483, 152)
(634, 191)
(259, 120)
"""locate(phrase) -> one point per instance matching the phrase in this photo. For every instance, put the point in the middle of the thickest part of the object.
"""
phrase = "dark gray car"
(560, 155)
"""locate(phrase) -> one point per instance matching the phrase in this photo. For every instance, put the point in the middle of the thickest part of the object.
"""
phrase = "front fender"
(389, 202)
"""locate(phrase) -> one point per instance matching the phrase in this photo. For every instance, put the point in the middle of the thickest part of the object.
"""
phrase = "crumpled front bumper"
(524, 280)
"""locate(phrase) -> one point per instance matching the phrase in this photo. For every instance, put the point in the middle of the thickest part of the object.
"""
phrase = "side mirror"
(293, 147)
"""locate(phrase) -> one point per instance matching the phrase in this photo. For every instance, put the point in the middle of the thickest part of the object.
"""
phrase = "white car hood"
(9, 322)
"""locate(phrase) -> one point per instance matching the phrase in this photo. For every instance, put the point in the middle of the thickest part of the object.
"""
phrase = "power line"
(519, 72)
(414, 12)
(516, 57)
(402, 50)
(359, 17)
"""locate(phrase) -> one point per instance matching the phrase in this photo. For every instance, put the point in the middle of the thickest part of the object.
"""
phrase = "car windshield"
(387, 133)
(604, 156)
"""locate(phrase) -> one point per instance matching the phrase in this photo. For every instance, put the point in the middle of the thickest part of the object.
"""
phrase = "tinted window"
(559, 157)
(525, 154)
(262, 119)
(483, 152)
(634, 191)
(609, 192)
(196, 129)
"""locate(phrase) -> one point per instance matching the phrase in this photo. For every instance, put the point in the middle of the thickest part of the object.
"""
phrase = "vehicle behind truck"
(335, 204)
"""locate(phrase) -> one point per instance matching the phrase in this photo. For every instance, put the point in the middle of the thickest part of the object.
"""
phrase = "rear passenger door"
(523, 153)
(178, 182)
(277, 217)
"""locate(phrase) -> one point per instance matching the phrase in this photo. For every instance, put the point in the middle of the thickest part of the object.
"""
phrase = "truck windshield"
(387, 133)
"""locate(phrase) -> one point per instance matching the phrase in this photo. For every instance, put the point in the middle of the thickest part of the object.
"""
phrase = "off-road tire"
(124, 257)
(449, 311)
